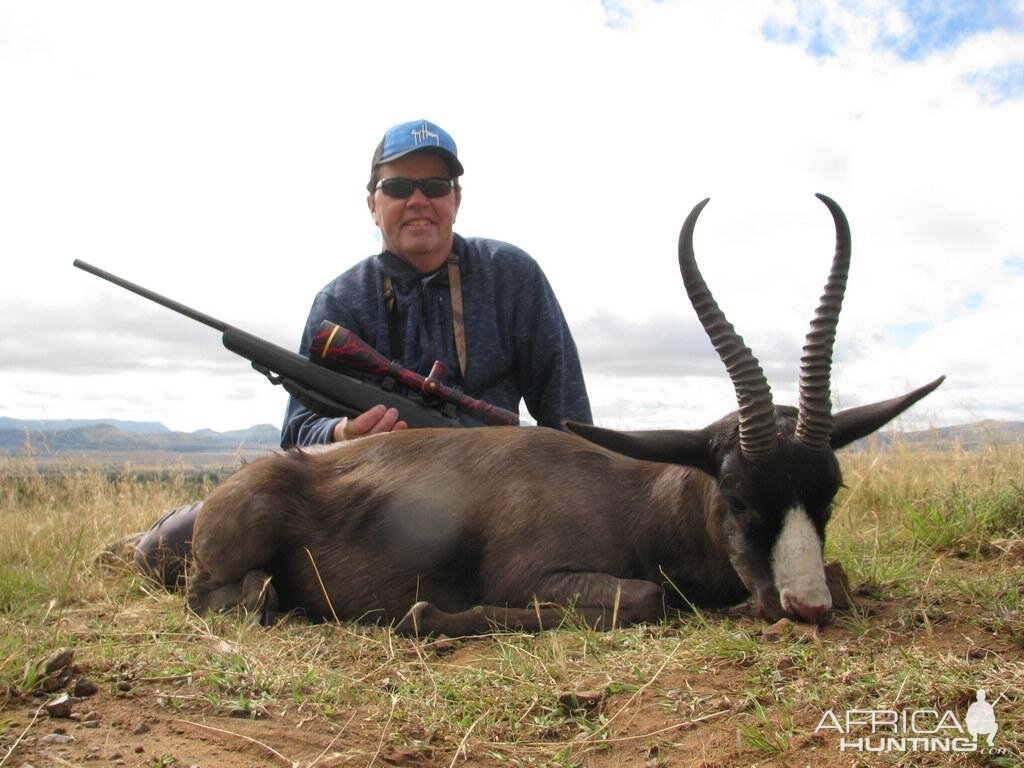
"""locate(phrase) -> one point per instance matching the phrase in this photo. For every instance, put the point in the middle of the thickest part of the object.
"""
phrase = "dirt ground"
(131, 722)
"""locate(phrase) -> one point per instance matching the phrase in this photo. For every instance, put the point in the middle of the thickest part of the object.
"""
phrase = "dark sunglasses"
(433, 186)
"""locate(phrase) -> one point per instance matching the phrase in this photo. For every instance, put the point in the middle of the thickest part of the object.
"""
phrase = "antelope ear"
(689, 448)
(854, 423)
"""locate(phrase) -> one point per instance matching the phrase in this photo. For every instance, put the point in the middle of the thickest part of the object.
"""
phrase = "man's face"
(418, 228)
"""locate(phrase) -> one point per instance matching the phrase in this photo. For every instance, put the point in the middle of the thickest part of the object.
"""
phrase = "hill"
(107, 437)
(77, 436)
(60, 425)
(977, 434)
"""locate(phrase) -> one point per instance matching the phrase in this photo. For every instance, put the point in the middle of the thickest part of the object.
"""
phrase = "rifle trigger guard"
(273, 378)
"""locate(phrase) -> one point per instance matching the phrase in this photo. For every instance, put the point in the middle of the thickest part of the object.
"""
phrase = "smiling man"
(482, 307)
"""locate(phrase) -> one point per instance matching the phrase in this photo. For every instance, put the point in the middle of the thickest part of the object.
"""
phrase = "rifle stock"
(337, 347)
(322, 390)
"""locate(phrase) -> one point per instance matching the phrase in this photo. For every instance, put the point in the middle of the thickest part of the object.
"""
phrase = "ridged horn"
(757, 413)
(814, 422)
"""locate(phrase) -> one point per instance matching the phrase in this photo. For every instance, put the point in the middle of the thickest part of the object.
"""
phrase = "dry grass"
(933, 542)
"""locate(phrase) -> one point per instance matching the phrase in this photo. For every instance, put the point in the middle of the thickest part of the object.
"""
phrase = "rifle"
(337, 347)
(323, 390)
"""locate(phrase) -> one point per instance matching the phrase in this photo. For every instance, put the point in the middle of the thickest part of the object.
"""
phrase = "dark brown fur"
(457, 518)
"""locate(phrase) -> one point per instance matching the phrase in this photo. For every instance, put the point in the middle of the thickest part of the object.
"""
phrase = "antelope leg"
(597, 598)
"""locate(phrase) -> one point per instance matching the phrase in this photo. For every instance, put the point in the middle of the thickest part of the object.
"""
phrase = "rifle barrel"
(178, 307)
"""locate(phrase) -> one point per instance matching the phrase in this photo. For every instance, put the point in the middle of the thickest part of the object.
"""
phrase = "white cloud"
(217, 154)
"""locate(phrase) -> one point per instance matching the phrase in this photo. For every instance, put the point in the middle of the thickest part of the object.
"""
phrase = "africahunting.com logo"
(916, 730)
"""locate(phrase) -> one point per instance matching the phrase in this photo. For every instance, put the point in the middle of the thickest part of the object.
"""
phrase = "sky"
(217, 152)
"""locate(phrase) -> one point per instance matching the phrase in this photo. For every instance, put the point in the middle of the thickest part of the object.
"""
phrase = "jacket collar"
(399, 270)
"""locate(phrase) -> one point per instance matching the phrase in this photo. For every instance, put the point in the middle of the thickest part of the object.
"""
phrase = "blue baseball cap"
(418, 136)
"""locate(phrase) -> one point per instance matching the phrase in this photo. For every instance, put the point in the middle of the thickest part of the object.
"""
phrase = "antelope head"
(774, 466)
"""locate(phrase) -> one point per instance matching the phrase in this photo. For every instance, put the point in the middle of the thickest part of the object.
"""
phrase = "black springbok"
(454, 531)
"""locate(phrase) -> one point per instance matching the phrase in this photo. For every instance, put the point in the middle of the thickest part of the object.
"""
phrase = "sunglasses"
(433, 186)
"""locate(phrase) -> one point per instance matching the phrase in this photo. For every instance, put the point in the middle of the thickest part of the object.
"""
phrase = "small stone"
(838, 586)
(718, 703)
(124, 685)
(90, 723)
(255, 712)
(575, 701)
(58, 660)
(57, 738)
(140, 729)
(59, 707)
(139, 749)
(442, 645)
(85, 688)
(55, 682)
(779, 629)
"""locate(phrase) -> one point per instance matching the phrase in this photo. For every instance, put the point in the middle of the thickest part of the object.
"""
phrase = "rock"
(85, 688)
(575, 702)
(54, 683)
(59, 707)
(838, 586)
(718, 703)
(140, 729)
(254, 712)
(124, 685)
(778, 630)
(58, 660)
(57, 738)
(442, 645)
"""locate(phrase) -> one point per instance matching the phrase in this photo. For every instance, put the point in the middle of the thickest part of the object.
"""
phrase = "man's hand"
(377, 419)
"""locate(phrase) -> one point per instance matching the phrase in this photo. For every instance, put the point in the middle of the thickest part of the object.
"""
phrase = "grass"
(933, 543)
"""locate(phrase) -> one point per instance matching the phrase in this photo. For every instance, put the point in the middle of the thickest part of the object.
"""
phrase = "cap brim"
(454, 166)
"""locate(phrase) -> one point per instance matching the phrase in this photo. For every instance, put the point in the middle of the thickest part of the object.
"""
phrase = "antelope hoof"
(768, 606)
(259, 596)
(415, 623)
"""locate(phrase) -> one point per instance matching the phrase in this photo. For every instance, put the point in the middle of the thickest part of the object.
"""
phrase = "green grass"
(932, 542)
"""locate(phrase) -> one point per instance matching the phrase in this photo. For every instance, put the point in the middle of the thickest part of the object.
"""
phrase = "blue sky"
(912, 30)
(216, 152)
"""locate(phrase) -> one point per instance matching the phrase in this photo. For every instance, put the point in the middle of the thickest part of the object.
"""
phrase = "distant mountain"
(105, 437)
(131, 437)
(973, 435)
(59, 425)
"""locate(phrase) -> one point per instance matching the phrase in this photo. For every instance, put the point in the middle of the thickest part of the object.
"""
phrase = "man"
(482, 307)
(516, 344)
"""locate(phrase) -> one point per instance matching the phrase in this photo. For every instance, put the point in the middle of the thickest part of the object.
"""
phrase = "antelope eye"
(737, 505)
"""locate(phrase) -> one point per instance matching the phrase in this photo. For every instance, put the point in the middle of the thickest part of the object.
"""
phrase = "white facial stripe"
(797, 564)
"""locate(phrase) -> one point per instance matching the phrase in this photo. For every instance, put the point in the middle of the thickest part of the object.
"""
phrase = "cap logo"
(424, 134)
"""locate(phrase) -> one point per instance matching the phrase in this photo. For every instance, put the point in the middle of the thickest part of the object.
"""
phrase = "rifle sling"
(458, 319)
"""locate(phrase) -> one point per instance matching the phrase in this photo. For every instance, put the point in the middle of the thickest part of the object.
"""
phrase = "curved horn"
(757, 413)
(814, 422)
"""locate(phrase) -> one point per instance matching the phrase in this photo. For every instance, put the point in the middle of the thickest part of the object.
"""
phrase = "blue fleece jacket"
(518, 345)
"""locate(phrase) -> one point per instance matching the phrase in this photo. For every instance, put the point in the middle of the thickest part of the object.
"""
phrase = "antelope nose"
(811, 613)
